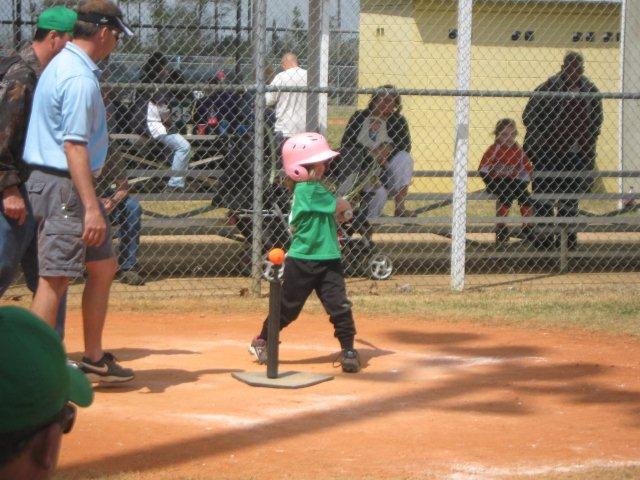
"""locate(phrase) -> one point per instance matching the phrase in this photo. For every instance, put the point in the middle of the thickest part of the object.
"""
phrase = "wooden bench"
(143, 151)
(624, 220)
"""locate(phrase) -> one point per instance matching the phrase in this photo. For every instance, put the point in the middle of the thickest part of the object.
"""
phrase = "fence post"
(459, 214)
(259, 38)
(318, 60)
(629, 110)
(17, 23)
(238, 38)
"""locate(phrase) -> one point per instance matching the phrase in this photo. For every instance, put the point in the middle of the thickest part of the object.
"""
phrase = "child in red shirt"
(506, 171)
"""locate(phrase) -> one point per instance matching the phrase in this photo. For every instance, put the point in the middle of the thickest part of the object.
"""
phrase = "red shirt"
(502, 161)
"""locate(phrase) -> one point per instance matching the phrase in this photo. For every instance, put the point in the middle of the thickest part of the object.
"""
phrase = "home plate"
(283, 380)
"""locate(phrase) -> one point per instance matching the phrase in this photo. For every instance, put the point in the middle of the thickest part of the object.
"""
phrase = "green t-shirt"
(313, 223)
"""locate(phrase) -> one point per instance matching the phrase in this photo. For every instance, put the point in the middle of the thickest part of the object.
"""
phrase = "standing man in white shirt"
(291, 107)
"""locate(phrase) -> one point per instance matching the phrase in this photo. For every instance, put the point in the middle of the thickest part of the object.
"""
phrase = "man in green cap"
(37, 387)
(19, 73)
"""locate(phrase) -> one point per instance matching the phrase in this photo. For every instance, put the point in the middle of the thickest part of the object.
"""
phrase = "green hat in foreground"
(35, 380)
(60, 19)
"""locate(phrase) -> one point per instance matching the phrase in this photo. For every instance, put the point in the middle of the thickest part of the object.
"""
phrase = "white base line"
(480, 472)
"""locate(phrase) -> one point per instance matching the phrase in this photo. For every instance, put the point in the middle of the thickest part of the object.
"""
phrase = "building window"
(453, 33)
(577, 36)
(515, 36)
(529, 36)
(607, 37)
(618, 36)
(590, 37)
(380, 32)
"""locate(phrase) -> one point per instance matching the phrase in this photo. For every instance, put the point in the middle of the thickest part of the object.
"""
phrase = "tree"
(278, 47)
(298, 38)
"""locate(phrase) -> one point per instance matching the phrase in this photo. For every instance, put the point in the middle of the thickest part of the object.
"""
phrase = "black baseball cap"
(113, 21)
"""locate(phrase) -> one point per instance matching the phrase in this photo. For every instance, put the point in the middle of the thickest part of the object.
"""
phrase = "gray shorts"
(59, 215)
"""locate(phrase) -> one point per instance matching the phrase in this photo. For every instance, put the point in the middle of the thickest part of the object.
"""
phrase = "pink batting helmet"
(304, 149)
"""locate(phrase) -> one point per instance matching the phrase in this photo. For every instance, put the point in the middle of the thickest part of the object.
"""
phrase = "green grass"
(181, 206)
(555, 307)
(625, 473)
(337, 116)
(628, 473)
(612, 312)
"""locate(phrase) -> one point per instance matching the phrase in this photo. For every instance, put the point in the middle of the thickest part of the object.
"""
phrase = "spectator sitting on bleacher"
(381, 133)
(217, 113)
(159, 122)
(125, 212)
(506, 171)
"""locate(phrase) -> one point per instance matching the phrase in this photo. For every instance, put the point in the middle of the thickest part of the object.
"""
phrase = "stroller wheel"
(380, 266)
(269, 269)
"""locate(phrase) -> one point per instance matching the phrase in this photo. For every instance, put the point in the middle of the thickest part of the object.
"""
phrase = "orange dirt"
(434, 400)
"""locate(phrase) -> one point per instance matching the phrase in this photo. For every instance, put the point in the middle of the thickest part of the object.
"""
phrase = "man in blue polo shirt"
(65, 150)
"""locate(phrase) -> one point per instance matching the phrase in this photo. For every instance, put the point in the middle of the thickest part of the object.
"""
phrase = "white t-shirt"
(291, 107)
(154, 119)
(373, 132)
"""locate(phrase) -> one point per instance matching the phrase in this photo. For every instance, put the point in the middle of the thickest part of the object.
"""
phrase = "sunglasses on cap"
(111, 21)
(116, 33)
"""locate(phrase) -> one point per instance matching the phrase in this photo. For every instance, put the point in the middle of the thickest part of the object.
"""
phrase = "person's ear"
(104, 34)
(46, 448)
(51, 38)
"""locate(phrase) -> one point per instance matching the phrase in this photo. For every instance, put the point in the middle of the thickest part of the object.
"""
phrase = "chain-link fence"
(475, 136)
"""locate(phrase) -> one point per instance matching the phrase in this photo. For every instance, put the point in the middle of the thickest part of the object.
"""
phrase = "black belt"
(50, 171)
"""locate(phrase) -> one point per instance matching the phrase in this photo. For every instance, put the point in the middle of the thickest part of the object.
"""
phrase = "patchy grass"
(624, 473)
(612, 312)
(551, 305)
(176, 207)
(337, 118)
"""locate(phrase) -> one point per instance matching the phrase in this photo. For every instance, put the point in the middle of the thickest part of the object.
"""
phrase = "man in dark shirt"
(20, 72)
(562, 133)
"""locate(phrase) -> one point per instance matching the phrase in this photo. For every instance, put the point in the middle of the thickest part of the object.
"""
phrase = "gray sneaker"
(107, 370)
(258, 349)
(350, 361)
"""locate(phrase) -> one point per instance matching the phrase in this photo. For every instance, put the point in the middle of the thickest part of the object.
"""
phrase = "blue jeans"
(19, 247)
(181, 153)
(127, 215)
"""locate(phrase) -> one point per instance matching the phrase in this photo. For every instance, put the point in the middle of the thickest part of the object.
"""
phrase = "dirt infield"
(435, 400)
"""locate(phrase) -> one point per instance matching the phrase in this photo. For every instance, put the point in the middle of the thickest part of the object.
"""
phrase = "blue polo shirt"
(67, 105)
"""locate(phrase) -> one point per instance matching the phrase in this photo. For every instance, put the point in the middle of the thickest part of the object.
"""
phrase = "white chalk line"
(474, 471)
(437, 360)
(316, 403)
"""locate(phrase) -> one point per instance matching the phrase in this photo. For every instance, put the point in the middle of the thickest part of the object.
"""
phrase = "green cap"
(35, 380)
(60, 19)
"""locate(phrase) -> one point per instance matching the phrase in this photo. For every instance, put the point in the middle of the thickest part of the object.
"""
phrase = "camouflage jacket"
(16, 95)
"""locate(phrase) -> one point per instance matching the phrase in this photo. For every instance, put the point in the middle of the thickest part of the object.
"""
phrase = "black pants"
(569, 162)
(301, 277)
(507, 190)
